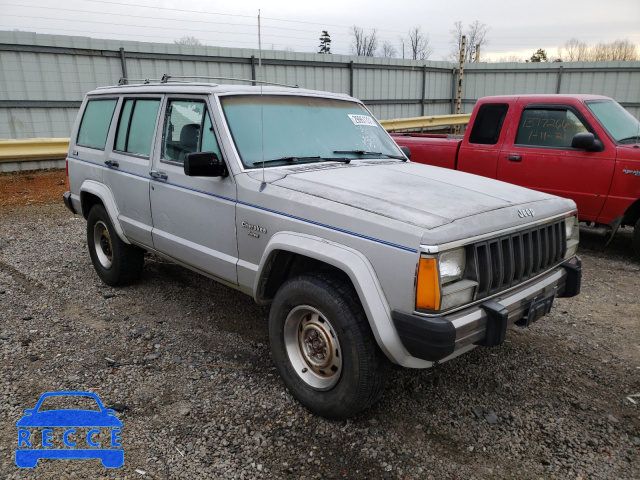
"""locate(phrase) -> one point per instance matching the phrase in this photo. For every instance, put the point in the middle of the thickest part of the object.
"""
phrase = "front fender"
(364, 279)
(101, 191)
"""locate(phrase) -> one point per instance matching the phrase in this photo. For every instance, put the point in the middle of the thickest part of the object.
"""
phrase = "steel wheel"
(102, 244)
(313, 347)
(116, 262)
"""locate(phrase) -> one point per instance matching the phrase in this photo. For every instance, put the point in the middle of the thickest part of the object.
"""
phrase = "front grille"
(511, 259)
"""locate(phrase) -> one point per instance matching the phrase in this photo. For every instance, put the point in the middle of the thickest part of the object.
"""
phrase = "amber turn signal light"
(428, 288)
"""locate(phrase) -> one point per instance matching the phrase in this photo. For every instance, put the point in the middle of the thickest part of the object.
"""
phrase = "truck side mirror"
(586, 141)
(406, 151)
(204, 164)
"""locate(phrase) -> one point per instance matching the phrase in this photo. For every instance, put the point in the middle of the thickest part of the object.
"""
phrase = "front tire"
(115, 262)
(323, 346)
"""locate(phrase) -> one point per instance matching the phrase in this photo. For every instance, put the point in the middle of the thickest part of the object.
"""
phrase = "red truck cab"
(583, 147)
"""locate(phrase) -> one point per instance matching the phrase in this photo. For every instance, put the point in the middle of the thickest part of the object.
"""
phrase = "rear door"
(129, 164)
(193, 217)
(537, 154)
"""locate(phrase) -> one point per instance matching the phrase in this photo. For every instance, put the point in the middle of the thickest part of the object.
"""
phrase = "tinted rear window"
(488, 123)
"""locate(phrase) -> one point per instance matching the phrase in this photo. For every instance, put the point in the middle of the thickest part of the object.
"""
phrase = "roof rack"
(166, 78)
(125, 81)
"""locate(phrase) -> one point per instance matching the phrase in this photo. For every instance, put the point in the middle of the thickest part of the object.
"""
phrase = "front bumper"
(434, 338)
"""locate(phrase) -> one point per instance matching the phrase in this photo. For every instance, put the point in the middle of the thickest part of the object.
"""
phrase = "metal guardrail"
(39, 149)
(33, 149)
(396, 124)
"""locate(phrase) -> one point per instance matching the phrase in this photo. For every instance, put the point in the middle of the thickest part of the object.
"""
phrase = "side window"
(548, 128)
(137, 123)
(95, 123)
(488, 123)
(188, 129)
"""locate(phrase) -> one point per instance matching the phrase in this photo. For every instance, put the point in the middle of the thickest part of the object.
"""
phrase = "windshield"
(303, 129)
(617, 121)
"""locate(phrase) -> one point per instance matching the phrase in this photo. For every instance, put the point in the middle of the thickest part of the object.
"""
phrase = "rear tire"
(323, 346)
(116, 263)
(636, 237)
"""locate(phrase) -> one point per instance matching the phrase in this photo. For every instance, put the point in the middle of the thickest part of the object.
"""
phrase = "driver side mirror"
(204, 164)
(587, 141)
(406, 151)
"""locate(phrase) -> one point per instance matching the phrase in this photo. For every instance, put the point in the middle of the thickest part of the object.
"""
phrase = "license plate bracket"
(539, 307)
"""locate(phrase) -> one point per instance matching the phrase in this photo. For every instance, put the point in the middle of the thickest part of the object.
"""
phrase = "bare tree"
(574, 51)
(388, 50)
(507, 59)
(364, 45)
(186, 40)
(622, 50)
(419, 42)
(618, 50)
(476, 34)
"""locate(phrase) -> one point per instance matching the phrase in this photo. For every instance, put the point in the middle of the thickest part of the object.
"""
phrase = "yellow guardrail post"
(432, 121)
(31, 149)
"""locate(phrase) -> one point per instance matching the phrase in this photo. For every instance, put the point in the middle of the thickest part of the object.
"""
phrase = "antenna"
(263, 185)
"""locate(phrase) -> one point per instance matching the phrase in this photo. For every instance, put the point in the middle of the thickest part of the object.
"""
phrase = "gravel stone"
(214, 406)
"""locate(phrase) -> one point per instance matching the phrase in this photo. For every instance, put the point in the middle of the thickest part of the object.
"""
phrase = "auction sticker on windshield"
(363, 120)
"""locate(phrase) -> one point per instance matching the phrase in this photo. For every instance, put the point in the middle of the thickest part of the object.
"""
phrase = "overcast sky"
(516, 28)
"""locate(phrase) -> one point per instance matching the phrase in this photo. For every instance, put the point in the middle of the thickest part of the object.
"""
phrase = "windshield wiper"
(365, 152)
(294, 159)
(634, 139)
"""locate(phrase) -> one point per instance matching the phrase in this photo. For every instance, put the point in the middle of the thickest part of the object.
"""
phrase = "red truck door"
(537, 154)
(481, 147)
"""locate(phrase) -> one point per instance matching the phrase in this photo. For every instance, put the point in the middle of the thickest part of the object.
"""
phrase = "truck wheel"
(116, 262)
(323, 346)
(636, 237)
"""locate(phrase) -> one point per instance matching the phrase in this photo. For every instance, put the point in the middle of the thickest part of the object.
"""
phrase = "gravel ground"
(187, 363)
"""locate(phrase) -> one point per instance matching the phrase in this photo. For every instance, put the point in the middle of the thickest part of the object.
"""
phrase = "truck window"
(95, 123)
(137, 123)
(548, 127)
(488, 123)
(188, 129)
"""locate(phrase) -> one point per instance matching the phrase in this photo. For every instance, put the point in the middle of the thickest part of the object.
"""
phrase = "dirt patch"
(32, 188)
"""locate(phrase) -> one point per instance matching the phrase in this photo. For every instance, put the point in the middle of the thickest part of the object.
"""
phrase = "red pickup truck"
(584, 147)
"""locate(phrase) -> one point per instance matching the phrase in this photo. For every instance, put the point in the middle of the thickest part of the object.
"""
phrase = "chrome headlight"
(441, 284)
(452, 264)
(455, 290)
(572, 230)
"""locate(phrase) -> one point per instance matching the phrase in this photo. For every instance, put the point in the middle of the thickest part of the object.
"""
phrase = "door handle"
(112, 164)
(514, 158)
(159, 175)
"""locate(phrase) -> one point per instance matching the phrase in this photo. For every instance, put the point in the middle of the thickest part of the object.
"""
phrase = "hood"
(421, 195)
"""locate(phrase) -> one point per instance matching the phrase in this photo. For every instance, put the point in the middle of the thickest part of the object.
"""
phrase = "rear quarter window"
(488, 123)
(94, 126)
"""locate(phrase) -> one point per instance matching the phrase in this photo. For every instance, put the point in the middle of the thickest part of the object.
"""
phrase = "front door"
(193, 217)
(537, 154)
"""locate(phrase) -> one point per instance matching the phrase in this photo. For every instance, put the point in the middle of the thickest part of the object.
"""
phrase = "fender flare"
(105, 195)
(356, 265)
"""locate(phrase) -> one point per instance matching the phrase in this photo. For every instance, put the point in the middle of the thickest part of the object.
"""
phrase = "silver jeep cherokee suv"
(301, 199)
